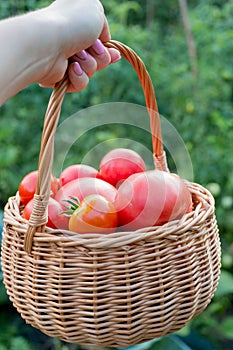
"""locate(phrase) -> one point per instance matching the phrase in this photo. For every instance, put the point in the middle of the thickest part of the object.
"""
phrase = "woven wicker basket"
(110, 290)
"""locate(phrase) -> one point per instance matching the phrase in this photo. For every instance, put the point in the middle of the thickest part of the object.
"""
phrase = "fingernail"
(82, 55)
(98, 47)
(116, 59)
(77, 68)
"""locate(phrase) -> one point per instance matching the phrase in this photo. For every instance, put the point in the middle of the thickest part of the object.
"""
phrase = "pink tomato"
(118, 164)
(84, 187)
(76, 171)
(55, 217)
(151, 198)
(27, 186)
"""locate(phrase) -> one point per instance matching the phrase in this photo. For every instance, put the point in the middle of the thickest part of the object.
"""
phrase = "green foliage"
(10, 337)
(225, 285)
(122, 11)
(200, 109)
(12, 7)
(169, 343)
(16, 344)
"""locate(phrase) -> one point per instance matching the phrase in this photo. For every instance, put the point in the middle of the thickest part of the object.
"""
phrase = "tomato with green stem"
(83, 187)
(94, 214)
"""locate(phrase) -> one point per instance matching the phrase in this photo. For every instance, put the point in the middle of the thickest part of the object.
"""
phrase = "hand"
(84, 64)
(81, 51)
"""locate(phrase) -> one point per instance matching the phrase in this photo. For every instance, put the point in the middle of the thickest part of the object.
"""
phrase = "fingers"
(77, 77)
(95, 58)
(105, 35)
(101, 55)
(114, 54)
(82, 66)
(85, 63)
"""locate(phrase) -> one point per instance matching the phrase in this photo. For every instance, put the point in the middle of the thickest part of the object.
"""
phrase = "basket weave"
(110, 290)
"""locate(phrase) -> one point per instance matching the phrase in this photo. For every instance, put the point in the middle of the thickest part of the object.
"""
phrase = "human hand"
(83, 28)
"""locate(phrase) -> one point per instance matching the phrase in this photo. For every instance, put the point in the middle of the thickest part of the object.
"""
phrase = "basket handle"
(39, 215)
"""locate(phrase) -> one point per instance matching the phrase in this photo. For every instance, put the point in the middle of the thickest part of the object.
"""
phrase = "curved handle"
(148, 90)
(38, 217)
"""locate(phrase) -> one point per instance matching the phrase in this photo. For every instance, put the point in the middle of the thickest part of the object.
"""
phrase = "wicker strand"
(38, 218)
(160, 162)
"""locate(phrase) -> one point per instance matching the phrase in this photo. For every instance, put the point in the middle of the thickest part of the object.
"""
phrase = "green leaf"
(20, 343)
(3, 295)
(225, 285)
(170, 343)
(226, 328)
(143, 346)
(185, 330)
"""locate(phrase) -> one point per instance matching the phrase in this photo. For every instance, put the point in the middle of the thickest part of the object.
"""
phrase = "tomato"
(151, 198)
(118, 164)
(55, 217)
(83, 187)
(27, 186)
(76, 171)
(95, 214)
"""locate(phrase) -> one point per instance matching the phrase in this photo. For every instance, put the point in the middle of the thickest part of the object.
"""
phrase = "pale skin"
(40, 46)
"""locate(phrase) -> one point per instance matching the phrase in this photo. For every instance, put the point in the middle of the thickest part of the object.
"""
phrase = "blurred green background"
(189, 57)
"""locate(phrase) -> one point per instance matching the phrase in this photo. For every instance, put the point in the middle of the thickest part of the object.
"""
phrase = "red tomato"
(76, 171)
(83, 187)
(95, 214)
(27, 186)
(151, 198)
(55, 217)
(118, 164)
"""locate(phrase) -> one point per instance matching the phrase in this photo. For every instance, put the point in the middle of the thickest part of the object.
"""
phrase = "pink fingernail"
(98, 47)
(82, 55)
(77, 68)
(116, 59)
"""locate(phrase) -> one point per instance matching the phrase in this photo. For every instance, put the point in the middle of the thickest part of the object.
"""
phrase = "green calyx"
(74, 203)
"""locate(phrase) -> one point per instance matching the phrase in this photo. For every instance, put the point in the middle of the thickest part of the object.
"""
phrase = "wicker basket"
(111, 290)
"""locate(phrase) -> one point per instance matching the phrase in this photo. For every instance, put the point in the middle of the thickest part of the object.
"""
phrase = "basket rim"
(172, 230)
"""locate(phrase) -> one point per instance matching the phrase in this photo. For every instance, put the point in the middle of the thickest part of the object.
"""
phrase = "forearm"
(37, 47)
(27, 44)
